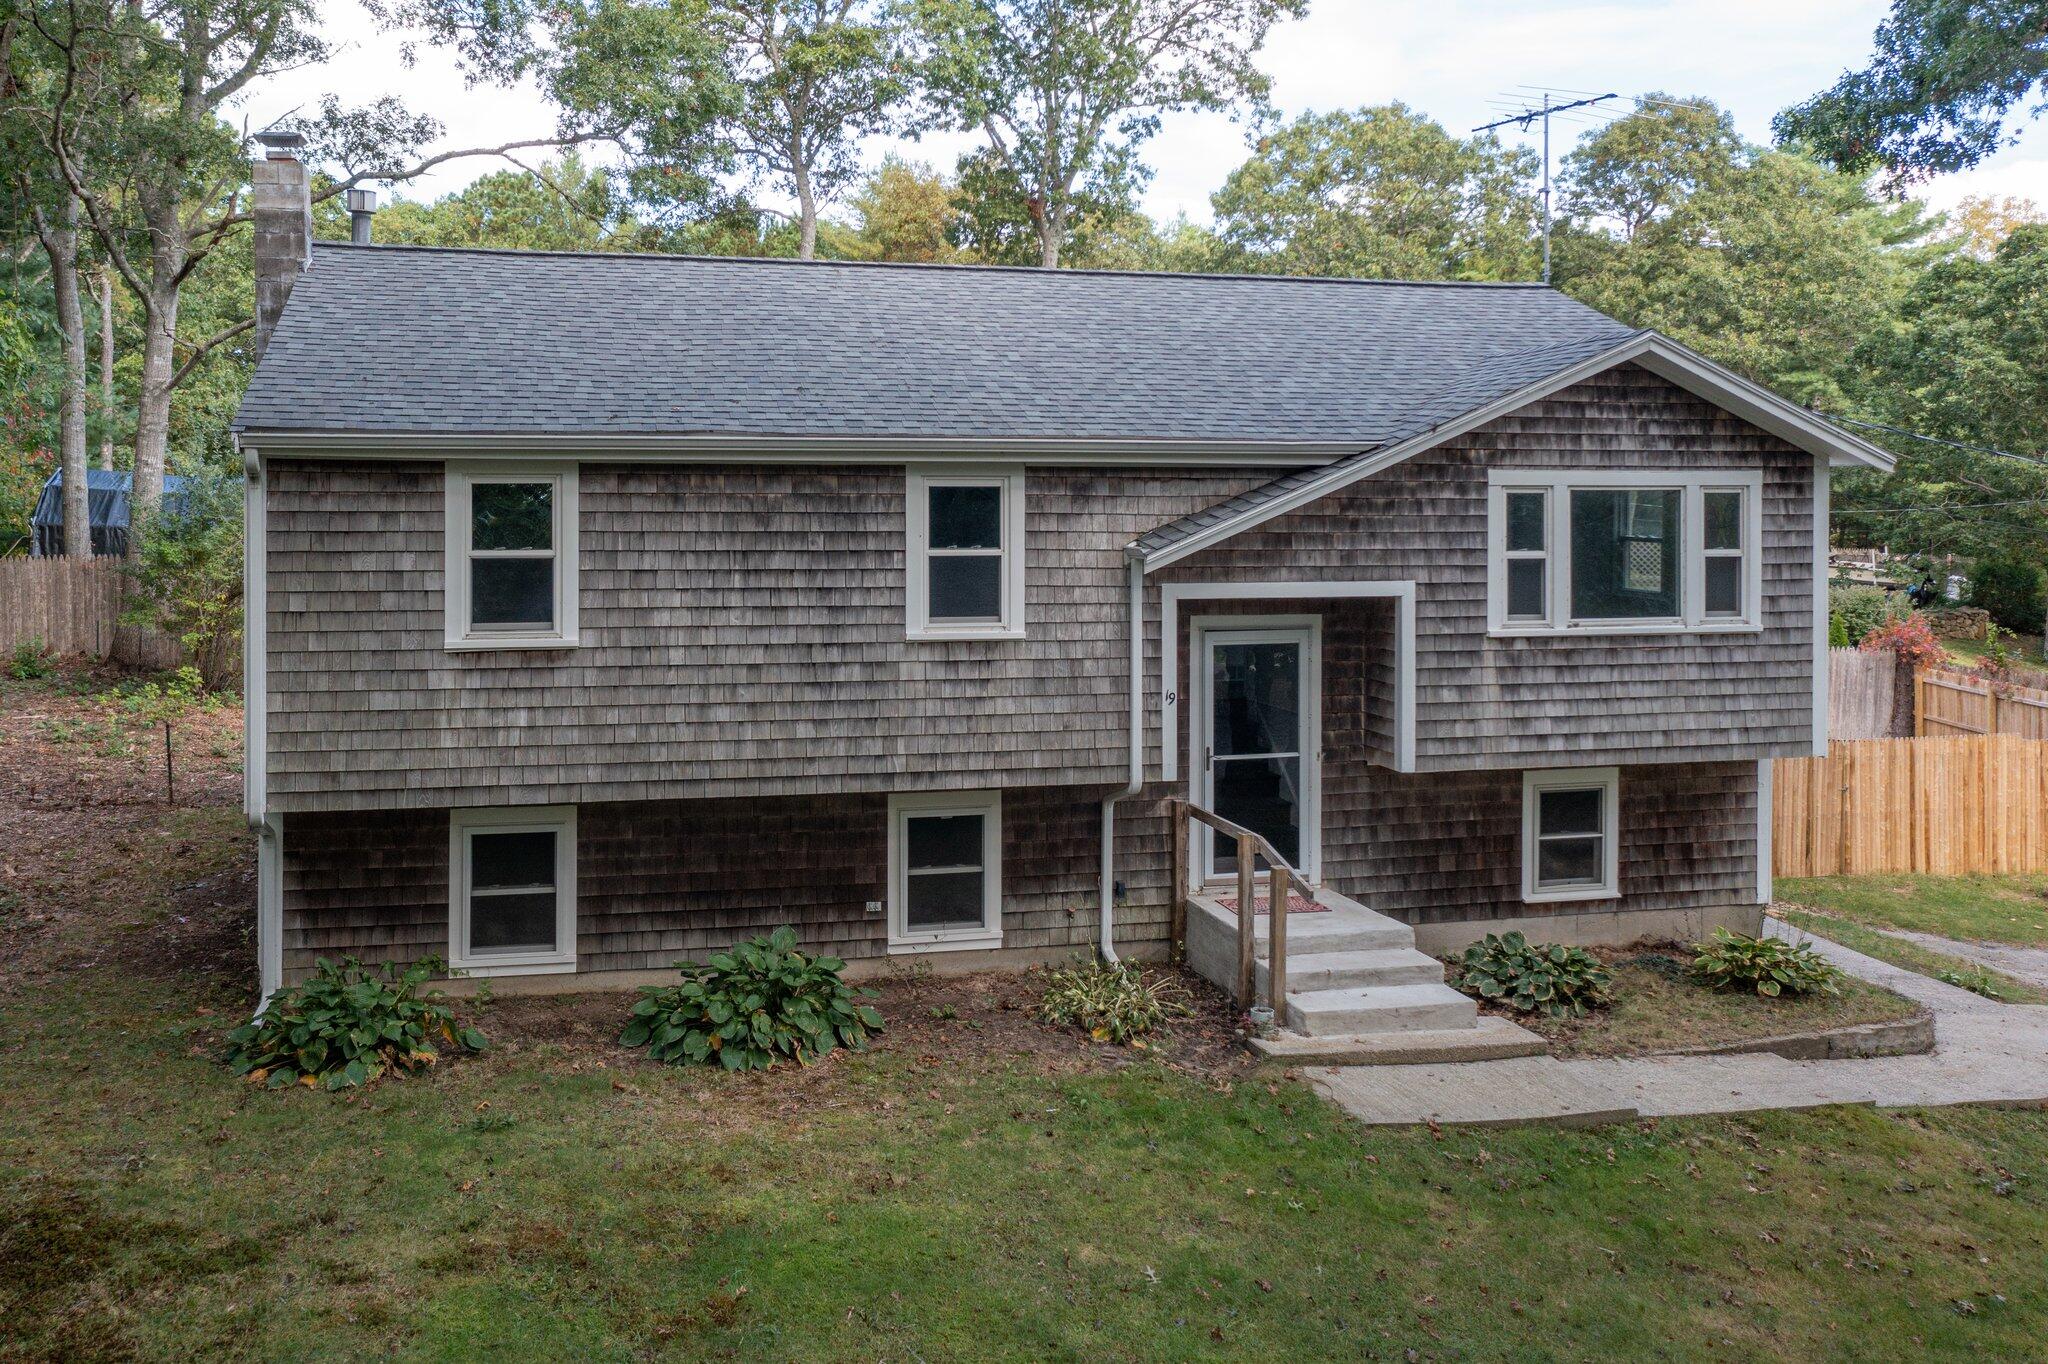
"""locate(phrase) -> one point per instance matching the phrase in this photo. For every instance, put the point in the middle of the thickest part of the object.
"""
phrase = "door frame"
(1307, 630)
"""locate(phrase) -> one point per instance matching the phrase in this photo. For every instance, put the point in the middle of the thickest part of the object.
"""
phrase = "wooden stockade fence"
(1950, 703)
(1861, 693)
(1946, 806)
(74, 607)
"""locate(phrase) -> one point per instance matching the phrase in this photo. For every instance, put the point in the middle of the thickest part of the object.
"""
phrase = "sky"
(1463, 62)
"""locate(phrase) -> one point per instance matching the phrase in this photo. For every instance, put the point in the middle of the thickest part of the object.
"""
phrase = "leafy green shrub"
(1769, 966)
(31, 661)
(1112, 1000)
(1545, 978)
(347, 1025)
(187, 572)
(1863, 609)
(1976, 979)
(747, 1008)
(1838, 631)
(2010, 590)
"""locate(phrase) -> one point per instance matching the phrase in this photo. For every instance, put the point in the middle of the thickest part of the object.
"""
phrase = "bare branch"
(200, 351)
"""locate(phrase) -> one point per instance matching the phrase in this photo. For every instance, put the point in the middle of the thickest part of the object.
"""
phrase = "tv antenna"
(1523, 119)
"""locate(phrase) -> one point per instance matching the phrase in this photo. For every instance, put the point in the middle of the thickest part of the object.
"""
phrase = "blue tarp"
(106, 495)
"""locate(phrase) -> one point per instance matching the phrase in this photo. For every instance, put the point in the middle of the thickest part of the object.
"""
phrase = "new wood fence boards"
(1861, 688)
(74, 607)
(1945, 806)
(1966, 703)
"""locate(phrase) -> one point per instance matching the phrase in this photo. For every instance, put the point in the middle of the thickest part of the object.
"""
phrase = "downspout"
(1136, 570)
(256, 729)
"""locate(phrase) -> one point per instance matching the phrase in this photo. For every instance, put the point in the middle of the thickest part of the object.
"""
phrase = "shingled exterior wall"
(1532, 702)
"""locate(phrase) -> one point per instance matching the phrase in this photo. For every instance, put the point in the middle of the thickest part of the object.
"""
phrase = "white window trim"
(1607, 780)
(988, 804)
(557, 819)
(918, 479)
(461, 477)
(1560, 484)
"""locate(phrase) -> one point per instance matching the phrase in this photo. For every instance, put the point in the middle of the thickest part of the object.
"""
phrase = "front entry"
(1258, 716)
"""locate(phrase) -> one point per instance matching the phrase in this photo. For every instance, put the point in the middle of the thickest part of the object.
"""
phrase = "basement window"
(1623, 552)
(945, 871)
(511, 572)
(964, 553)
(1569, 845)
(512, 890)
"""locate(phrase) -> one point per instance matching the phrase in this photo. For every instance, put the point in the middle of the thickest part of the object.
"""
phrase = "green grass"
(2003, 909)
(530, 1204)
(1913, 957)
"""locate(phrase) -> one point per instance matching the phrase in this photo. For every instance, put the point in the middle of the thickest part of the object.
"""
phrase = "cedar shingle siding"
(1540, 702)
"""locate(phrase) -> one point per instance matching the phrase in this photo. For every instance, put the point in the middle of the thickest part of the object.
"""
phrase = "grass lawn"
(1913, 957)
(978, 1186)
(1656, 1009)
(2002, 909)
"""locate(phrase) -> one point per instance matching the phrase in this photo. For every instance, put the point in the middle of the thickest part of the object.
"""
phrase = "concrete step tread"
(1379, 1008)
(1379, 966)
(1488, 1039)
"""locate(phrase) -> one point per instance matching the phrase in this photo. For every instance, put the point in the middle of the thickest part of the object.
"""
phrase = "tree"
(560, 205)
(1066, 91)
(1935, 97)
(1639, 168)
(904, 211)
(812, 77)
(1980, 223)
(1382, 193)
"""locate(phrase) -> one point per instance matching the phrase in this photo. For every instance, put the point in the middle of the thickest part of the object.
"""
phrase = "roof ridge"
(935, 267)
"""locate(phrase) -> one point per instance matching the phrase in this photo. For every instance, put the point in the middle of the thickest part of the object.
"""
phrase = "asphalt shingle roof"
(407, 340)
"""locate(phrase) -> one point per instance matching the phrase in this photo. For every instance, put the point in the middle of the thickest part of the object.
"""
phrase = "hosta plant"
(1114, 1001)
(347, 1025)
(745, 1009)
(1768, 966)
(1546, 978)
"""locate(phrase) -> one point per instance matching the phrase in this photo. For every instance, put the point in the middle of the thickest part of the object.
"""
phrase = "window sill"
(480, 645)
(1567, 897)
(514, 967)
(942, 633)
(1658, 627)
(963, 942)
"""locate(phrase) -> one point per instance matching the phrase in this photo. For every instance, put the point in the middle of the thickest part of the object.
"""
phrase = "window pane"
(500, 923)
(966, 518)
(512, 592)
(1568, 862)
(1724, 585)
(943, 900)
(1264, 795)
(1724, 520)
(512, 515)
(521, 859)
(966, 587)
(943, 841)
(1525, 589)
(1525, 520)
(1257, 698)
(1568, 812)
(1625, 554)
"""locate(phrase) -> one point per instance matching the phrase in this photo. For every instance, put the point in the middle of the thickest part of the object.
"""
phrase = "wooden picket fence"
(73, 606)
(1861, 687)
(1946, 806)
(1949, 703)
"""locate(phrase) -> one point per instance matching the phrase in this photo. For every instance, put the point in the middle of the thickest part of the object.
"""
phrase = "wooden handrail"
(1279, 885)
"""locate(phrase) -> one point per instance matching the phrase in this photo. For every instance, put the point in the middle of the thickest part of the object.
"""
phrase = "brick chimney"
(283, 209)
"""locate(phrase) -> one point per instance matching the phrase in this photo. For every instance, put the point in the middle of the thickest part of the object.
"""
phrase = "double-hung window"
(945, 871)
(512, 890)
(511, 573)
(1618, 552)
(1569, 821)
(965, 553)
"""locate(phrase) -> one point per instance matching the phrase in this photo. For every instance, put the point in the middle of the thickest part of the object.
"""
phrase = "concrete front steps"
(1358, 992)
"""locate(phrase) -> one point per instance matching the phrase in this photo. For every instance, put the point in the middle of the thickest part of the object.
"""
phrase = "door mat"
(1297, 903)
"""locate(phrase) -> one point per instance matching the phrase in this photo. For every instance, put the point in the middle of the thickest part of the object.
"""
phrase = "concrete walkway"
(1985, 1052)
(2029, 964)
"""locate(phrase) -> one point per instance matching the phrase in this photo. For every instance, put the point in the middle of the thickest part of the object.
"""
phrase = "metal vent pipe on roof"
(362, 206)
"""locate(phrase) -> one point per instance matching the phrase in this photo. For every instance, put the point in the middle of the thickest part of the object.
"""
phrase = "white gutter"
(1136, 573)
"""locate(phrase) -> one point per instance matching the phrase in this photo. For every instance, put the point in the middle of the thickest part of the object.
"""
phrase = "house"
(606, 608)
(106, 492)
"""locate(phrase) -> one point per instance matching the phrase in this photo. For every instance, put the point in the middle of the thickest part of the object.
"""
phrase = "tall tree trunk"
(807, 216)
(60, 244)
(107, 418)
(153, 406)
(1050, 224)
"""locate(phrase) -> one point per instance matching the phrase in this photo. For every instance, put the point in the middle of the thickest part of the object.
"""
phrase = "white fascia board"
(1758, 406)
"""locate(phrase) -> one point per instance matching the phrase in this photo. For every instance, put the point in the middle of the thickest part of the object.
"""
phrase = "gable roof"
(390, 344)
(1491, 390)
